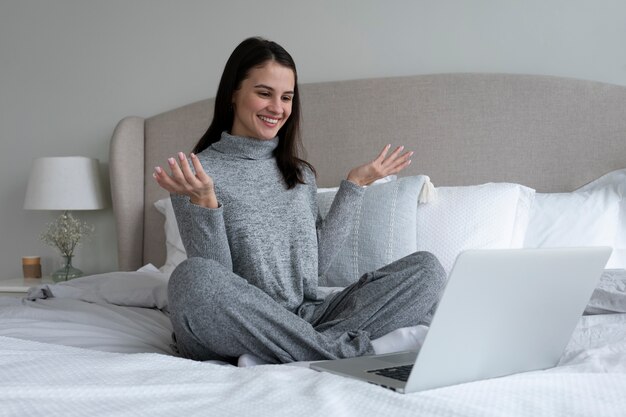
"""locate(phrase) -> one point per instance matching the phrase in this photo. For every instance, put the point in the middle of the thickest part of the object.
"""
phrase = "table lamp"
(65, 183)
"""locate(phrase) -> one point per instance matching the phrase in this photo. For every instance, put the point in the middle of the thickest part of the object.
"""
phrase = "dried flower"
(65, 233)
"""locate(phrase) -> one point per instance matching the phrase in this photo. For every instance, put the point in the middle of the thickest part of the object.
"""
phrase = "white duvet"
(49, 380)
(69, 357)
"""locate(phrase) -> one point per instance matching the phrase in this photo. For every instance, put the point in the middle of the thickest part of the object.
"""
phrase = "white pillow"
(175, 251)
(383, 229)
(593, 215)
(487, 216)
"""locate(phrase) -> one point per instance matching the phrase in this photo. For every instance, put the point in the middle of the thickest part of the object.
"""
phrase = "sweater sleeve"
(202, 231)
(333, 230)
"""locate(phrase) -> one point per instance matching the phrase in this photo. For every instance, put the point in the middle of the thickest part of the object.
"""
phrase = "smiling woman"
(248, 218)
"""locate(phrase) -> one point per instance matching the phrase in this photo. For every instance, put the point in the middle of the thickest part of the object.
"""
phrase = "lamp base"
(66, 272)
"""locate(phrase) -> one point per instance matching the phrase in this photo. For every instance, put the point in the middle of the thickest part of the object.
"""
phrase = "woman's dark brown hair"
(254, 53)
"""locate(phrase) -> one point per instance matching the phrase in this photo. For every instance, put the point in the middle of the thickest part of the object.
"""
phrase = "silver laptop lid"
(506, 311)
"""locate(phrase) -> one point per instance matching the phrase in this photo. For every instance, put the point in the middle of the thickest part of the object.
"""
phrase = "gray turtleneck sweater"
(262, 231)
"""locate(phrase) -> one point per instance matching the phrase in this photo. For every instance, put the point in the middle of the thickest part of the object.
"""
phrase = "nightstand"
(18, 287)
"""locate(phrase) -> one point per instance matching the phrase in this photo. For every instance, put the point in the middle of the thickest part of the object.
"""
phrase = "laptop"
(502, 312)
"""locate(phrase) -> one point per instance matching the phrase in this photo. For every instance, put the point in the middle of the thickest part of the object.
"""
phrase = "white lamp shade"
(64, 183)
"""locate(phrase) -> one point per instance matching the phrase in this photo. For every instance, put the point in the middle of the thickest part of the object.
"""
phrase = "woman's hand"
(198, 187)
(380, 167)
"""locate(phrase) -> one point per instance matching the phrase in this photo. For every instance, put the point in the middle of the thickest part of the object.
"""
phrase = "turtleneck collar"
(245, 148)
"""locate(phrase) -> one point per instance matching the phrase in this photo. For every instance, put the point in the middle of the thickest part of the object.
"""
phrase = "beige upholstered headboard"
(549, 133)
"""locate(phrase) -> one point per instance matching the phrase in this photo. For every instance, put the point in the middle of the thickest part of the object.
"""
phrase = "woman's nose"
(275, 107)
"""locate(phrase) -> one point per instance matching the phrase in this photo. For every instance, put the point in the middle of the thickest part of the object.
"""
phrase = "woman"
(247, 213)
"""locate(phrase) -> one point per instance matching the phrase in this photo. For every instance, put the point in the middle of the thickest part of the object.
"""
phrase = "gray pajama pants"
(219, 315)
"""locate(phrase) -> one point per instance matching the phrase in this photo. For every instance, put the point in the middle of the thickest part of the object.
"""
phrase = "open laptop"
(502, 312)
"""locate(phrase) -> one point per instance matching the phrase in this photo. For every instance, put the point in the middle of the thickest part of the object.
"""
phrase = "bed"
(513, 160)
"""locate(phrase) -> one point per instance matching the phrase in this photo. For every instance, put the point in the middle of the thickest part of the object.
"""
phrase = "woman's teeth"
(268, 120)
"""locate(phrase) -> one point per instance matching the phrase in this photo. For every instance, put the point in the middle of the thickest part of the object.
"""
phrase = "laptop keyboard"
(401, 373)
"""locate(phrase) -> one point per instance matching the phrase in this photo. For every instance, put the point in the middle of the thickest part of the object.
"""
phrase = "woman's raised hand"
(380, 167)
(197, 186)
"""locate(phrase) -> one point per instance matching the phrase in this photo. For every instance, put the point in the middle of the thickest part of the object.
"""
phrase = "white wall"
(70, 69)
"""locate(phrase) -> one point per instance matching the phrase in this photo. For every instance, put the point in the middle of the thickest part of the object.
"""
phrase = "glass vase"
(67, 271)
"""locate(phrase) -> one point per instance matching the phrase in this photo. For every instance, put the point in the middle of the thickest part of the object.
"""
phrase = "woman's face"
(262, 104)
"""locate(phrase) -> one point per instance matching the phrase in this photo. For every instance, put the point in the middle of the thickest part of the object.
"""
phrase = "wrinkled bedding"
(52, 380)
(103, 327)
(65, 353)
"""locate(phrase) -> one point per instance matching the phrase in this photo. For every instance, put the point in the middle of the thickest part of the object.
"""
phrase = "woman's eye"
(286, 98)
(264, 94)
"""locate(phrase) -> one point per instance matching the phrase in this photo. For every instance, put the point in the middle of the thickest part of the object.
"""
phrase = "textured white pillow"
(383, 230)
(593, 215)
(487, 216)
(174, 249)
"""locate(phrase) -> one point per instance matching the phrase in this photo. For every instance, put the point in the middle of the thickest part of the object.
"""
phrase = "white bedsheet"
(49, 380)
(70, 357)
